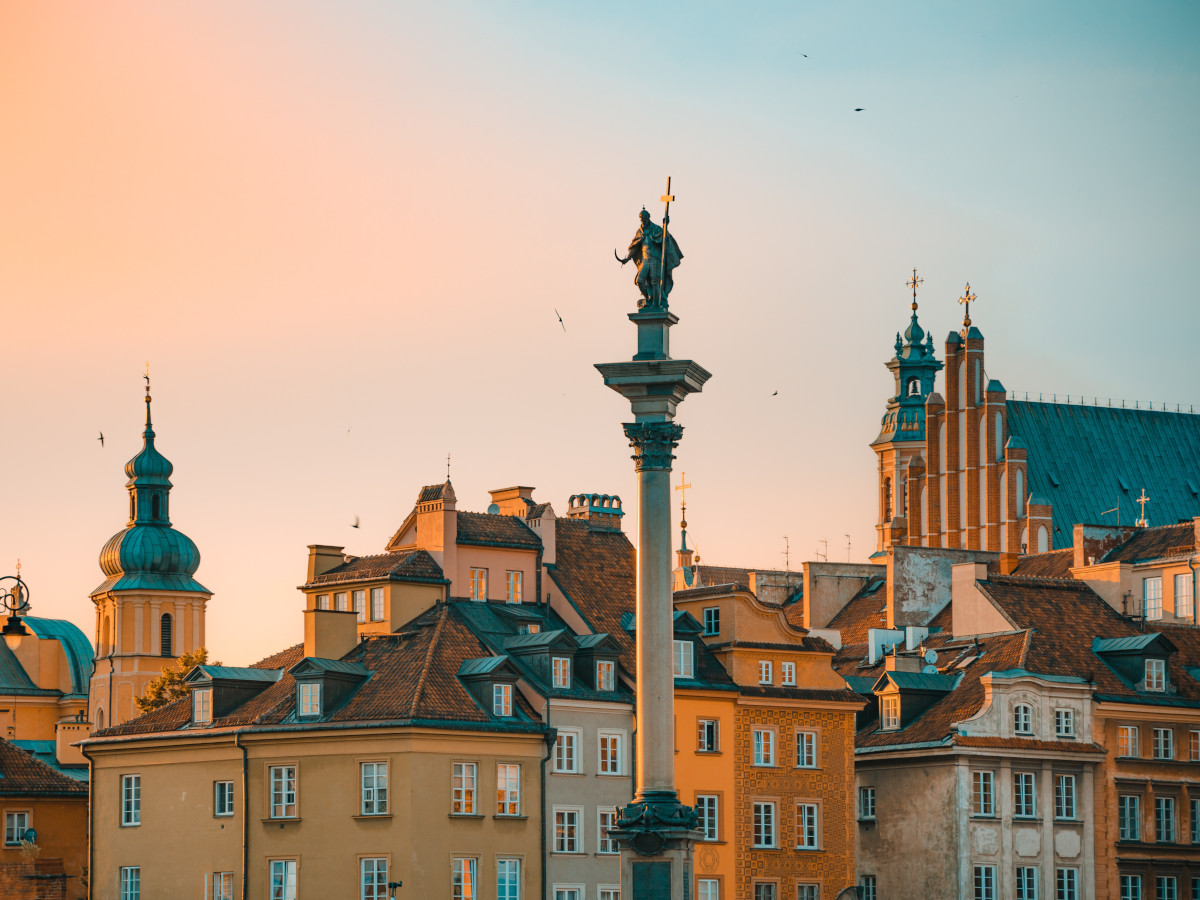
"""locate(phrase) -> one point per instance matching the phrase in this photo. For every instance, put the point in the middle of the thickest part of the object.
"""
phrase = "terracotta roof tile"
(22, 775)
(864, 611)
(1156, 543)
(1015, 743)
(495, 530)
(1054, 564)
(722, 575)
(396, 565)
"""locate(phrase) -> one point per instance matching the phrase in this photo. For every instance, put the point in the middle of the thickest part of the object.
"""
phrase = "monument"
(656, 830)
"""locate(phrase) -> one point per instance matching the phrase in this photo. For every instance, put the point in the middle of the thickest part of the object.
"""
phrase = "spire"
(914, 367)
(149, 476)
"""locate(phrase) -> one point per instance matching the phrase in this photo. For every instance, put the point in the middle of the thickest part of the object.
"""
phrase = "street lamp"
(15, 599)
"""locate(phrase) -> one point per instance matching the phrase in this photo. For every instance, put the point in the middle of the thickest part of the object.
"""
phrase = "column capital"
(652, 443)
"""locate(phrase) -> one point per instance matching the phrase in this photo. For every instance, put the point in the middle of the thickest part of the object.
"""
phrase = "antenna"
(787, 554)
(823, 555)
(847, 548)
(447, 466)
(1116, 509)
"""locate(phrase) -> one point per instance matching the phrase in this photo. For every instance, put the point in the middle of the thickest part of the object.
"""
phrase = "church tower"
(149, 609)
(903, 497)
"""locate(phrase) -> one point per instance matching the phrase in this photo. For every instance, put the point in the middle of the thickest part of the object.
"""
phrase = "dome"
(914, 334)
(149, 466)
(152, 557)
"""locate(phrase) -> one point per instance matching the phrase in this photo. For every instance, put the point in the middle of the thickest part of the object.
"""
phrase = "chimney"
(322, 558)
(602, 512)
(894, 662)
(329, 633)
(512, 501)
(541, 519)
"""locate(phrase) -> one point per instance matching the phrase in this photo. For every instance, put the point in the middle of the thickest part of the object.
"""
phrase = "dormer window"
(606, 675)
(502, 700)
(1064, 723)
(310, 699)
(202, 706)
(1156, 674)
(1023, 719)
(561, 672)
(531, 628)
(712, 621)
(889, 712)
(684, 661)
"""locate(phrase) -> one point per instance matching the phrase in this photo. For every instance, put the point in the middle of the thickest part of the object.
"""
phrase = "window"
(764, 747)
(983, 800)
(360, 605)
(1027, 883)
(765, 890)
(310, 698)
(1064, 723)
(508, 879)
(462, 878)
(560, 671)
(1129, 817)
(765, 672)
(565, 759)
(1152, 597)
(807, 892)
(478, 584)
(508, 789)
(131, 883)
(1165, 888)
(512, 586)
(1194, 746)
(1066, 884)
(531, 628)
(683, 655)
(867, 888)
(1024, 794)
(788, 670)
(609, 893)
(604, 821)
(341, 602)
(131, 800)
(567, 828)
(376, 604)
(610, 753)
(374, 788)
(1164, 744)
(1183, 595)
(222, 886)
(1023, 719)
(1131, 887)
(866, 803)
(322, 601)
(462, 788)
(1164, 820)
(202, 706)
(706, 809)
(502, 699)
(283, 879)
(222, 798)
(708, 889)
(1127, 740)
(764, 824)
(1195, 817)
(166, 635)
(606, 675)
(712, 621)
(1156, 675)
(985, 883)
(806, 749)
(889, 712)
(1064, 796)
(15, 824)
(710, 735)
(568, 893)
(807, 834)
(373, 877)
(283, 792)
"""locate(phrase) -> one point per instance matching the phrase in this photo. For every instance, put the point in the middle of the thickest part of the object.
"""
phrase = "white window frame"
(16, 822)
(373, 878)
(1184, 588)
(566, 751)
(702, 735)
(222, 885)
(608, 892)
(1152, 597)
(131, 882)
(508, 789)
(223, 798)
(1156, 675)
(1064, 723)
(513, 585)
(478, 583)
(683, 659)
(341, 601)
(708, 809)
(358, 601)
(309, 700)
(322, 601)
(508, 890)
(1025, 795)
(283, 879)
(1066, 798)
(610, 749)
(1129, 817)
(377, 605)
(464, 788)
(1164, 814)
(787, 673)
(1023, 719)
(606, 675)
(568, 892)
(889, 712)
(708, 889)
(373, 788)
(131, 801)
(866, 803)
(284, 785)
(763, 740)
(766, 672)
(1128, 740)
(560, 672)
(764, 825)
(464, 878)
(808, 755)
(568, 829)
(1194, 745)
(202, 706)
(605, 845)
(806, 890)
(983, 793)
(1163, 743)
(808, 826)
(502, 700)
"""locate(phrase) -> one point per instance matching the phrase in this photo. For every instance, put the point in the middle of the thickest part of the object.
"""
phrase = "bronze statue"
(654, 266)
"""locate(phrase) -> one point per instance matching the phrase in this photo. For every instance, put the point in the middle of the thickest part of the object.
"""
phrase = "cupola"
(914, 368)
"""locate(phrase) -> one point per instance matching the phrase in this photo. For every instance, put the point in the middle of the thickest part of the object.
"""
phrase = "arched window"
(105, 637)
(166, 635)
(1019, 482)
(962, 385)
(1023, 719)
(132, 507)
(99, 719)
(1024, 540)
(1043, 539)
(887, 500)
(155, 507)
(999, 435)
(914, 387)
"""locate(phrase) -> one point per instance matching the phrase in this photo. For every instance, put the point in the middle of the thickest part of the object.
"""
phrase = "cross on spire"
(1142, 501)
(966, 299)
(912, 283)
(682, 487)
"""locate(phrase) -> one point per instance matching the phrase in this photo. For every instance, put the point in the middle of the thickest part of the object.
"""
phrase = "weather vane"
(966, 299)
(912, 283)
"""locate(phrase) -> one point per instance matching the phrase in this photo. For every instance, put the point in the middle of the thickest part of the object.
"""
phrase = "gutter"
(1195, 585)
(91, 814)
(237, 736)
(551, 739)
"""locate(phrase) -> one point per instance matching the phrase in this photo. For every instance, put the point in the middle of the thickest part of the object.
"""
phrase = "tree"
(169, 685)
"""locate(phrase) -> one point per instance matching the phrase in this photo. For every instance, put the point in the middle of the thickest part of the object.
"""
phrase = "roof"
(490, 530)
(76, 646)
(431, 492)
(1156, 543)
(1129, 644)
(1086, 459)
(921, 681)
(1052, 564)
(709, 575)
(22, 775)
(238, 673)
(482, 666)
(13, 677)
(47, 752)
(396, 565)
(337, 666)
(865, 610)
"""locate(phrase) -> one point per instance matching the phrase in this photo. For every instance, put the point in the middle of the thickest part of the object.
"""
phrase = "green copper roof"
(1087, 459)
(76, 646)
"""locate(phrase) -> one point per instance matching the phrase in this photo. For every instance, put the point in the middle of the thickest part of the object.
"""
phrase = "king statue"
(655, 262)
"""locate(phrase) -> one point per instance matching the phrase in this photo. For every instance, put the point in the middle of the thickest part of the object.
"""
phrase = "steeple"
(914, 368)
(149, 475)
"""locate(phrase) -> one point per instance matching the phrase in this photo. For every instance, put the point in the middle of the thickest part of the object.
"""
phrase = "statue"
(655, 262)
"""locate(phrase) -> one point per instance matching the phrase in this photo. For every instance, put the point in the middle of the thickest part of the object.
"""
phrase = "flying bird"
(355, 525)
(775, 394)
(101, 439)
(859, 108)
(560, 321)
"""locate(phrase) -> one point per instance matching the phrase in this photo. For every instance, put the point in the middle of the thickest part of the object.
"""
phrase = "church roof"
(76, 646)
(1087, 459)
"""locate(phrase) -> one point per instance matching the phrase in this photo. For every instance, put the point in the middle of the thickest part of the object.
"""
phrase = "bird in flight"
(355, 525)
(101, 439)
(775, 394)
(560, 321)
(859, 108)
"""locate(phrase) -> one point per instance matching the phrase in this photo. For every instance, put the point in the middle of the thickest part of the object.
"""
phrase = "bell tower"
(901, 440)
(149, 608)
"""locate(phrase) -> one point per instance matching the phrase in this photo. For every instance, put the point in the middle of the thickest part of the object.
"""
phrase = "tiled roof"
(722, 575)
(21, 775)
(1083, 459)
(864, 611)
(496, 531)
(537, 510)
(431, 492)
(806, 643)
(1054, 564)
(1156, 543)
(710, 590)
(396, 565)
(799, 693)
(1015, 743)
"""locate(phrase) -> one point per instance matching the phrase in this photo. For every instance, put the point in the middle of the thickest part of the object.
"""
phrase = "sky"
(340, 233)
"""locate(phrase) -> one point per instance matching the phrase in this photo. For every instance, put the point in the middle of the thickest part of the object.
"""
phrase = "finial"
(912, 283)
(1142, 501)
(966, 299)
(682, 487)
(18, 567)
(447, 466)
(147, 377)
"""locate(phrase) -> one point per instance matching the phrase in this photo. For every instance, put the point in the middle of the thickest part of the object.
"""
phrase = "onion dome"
(914, 368)
(148, 554)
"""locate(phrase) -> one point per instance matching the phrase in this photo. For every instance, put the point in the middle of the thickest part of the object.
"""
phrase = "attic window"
(561, 669)
(684, 661)
(531, 628)
(606, 675)
(889, 712)
(1156, 675)
(502, 699)
(310, 698)
(202, 706)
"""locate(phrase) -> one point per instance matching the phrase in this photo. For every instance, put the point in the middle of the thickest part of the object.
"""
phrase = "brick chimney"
(322, 558)
(602, 512)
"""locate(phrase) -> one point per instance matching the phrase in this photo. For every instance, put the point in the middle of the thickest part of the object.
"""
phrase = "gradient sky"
(339, 233)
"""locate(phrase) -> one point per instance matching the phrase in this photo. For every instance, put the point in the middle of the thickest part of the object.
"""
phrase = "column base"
(656, 833)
